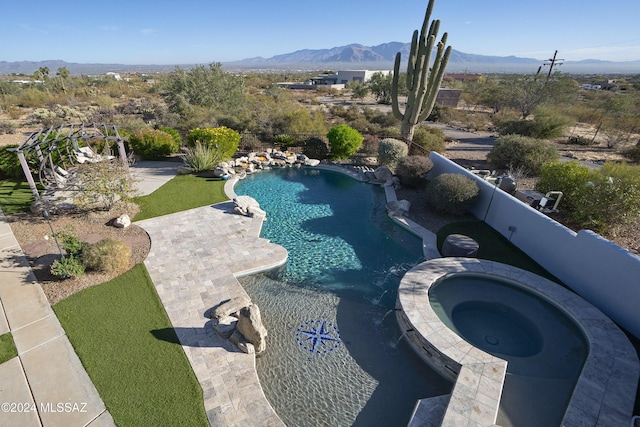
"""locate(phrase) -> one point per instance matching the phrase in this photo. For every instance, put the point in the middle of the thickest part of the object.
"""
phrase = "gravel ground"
(35, 237)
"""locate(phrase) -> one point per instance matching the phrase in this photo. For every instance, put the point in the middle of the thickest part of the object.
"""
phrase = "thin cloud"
(33, 29)
(109, 28)
(147, 31)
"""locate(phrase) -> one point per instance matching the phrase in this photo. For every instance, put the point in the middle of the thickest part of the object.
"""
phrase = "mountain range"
(351, 56)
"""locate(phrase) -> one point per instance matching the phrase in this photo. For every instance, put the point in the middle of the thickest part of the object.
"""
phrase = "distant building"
(114, 75)
(335, 81)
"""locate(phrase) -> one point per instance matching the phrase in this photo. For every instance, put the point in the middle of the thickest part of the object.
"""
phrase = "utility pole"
(552, 63)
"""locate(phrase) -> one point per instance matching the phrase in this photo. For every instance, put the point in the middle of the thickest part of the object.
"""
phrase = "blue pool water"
(335, 355)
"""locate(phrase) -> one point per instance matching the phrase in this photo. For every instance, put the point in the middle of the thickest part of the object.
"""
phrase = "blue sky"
(190, 31)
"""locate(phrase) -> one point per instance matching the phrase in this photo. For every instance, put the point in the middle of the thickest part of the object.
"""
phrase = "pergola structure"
(55, 150)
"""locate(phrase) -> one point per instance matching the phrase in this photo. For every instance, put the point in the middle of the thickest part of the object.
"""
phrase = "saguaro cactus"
(423, 81)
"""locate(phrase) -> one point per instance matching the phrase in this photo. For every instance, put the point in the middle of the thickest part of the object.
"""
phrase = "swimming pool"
(544, 348)
(335, 354)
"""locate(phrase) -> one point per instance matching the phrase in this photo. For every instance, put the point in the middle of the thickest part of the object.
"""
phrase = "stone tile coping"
(604, 393)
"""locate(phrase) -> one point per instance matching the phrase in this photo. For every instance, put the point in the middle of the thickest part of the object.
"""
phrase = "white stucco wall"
(601, 272)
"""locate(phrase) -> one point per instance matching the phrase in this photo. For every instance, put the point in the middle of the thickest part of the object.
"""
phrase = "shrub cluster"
(411, 170)
(429, 138)
(452, 193)
(153, 144)
(107, 255)
(521, 152)
(174, 134)
(201, 157)
(67, 267)
(344, 141)
(580, 140)
(390, 151)
(596, 199)
(545, 124)
(222, 138)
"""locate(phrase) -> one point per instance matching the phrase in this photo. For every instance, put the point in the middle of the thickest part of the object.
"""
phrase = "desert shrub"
(153, 144)
(7, 127)
(516, 151)
(632, 153)
(610, 198)
(429, 138)
(201, 157)
(9, 163)
(67, 267)
(70, 242)
(284, 141)
(344, 141)
(58, 115)
(452, 193)
(545, 124)
(568, 177)
(411, 170)
(386, 120)
(596, 199)
(581, 140)
(316, 148)
(174, 134)
(107, 255)
(225, 139)
(390, 151)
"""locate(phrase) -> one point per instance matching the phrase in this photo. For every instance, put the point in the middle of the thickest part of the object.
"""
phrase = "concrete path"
(46, 385)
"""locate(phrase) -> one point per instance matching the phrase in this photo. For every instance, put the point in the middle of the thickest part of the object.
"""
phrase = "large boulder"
(229, 307)
(123, 221)
(251, 327)
(225, 326)
(248, 206)
(383, 173)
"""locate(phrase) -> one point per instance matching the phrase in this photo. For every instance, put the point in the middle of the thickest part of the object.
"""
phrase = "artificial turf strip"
(15, 196)
(181, 193)
(7, 347)
(493, 246)
(125, 340)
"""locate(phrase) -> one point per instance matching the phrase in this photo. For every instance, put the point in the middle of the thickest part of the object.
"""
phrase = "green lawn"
(7, 347)
(493, 246)
(142, 379)
(181, 193)
(15, 196)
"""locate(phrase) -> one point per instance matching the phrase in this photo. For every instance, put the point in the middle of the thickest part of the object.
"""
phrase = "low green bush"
(546, 124)
(283, 141)
(201, 157)
(67, 267)
(429, 138)
(107, 255)
(521, 152)
(600, 200)
(344, 141)
(411, 170)
(174, 134)
(222, 138)
(153, 144)
(70, 243)
(390, 151)
(452, 193)
(316, 148)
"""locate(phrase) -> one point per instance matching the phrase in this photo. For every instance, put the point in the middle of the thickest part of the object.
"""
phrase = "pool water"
(544, 348)
(335, 354)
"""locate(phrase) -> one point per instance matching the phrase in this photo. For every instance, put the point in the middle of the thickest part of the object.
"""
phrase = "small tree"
(380, 86)
(153, 144)
(101, 184)
(344, 141)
